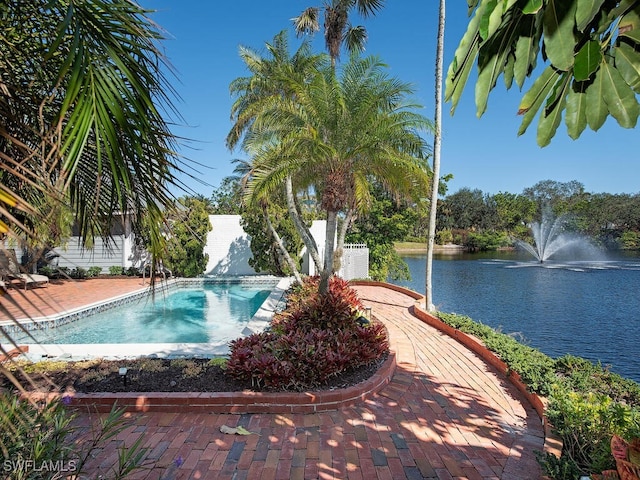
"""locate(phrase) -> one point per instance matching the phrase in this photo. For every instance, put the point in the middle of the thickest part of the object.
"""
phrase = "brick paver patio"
(446, 414)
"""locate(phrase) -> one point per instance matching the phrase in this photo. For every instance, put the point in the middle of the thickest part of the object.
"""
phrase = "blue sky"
(486, 153)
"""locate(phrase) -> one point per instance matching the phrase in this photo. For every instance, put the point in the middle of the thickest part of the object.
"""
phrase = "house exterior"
(228, 247)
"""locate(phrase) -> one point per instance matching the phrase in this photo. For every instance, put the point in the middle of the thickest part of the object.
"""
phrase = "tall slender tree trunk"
(329, 249)
(437, 140)
(342, 233)
(302, 229)
(281, 246)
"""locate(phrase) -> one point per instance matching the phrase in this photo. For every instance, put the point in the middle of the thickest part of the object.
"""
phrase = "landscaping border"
(230, 402)
(552, 443)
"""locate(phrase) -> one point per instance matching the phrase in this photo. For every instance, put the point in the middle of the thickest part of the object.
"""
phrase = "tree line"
(478, 221)
(483, 221)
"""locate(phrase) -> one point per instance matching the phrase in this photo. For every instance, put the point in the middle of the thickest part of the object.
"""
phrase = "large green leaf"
(576, 110)
(596, 107)
(533, 99)
(586, 11)
(532, 6)
(490, 19)
(587, 60)
(559, 40)
(552, 114)
(619, 97)
(628, 64)
(463, 59)
(630, 25)
(508, 71)
(527, 46)
(492, 61)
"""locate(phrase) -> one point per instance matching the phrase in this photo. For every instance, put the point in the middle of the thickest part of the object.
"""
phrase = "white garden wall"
(229, 249)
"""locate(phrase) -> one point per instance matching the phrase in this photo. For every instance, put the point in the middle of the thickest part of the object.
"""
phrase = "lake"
(589, 309)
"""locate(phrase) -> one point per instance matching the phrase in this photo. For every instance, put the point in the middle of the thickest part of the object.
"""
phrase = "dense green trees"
(385, 222)
(604, 217)
(187, 225)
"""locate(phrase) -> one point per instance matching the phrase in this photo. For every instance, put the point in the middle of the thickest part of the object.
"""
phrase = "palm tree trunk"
(302, 229)
(342, 233)
(330, 238)
(281, 247)
(436, 159)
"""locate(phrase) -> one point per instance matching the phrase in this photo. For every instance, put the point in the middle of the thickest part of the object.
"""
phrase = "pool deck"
(445, 414)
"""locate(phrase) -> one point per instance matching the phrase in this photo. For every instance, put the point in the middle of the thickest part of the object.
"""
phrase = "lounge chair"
(10, 270)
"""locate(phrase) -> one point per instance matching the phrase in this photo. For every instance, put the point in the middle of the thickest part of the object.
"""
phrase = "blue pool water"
(187, 315)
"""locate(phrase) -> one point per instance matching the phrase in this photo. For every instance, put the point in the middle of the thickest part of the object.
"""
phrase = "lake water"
(589, 309)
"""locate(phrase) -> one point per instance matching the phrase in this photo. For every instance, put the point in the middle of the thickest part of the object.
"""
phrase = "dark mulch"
(161, 375)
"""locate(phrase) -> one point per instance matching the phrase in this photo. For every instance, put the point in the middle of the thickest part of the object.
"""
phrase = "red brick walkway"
(446, 414)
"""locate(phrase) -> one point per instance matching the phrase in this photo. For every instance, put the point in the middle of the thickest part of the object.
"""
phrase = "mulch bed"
(160, 375)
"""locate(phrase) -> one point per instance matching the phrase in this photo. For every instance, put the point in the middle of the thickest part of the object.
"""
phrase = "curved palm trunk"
(304, 232)
(281, 247)
(342, 233)
(436, 159)
(329, 249)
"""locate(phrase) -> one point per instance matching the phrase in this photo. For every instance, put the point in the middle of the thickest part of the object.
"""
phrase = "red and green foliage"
(316, 337)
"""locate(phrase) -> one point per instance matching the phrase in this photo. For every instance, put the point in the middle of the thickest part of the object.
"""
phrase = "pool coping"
(257, 323)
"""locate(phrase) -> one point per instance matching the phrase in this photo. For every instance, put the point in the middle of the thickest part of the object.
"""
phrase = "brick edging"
(230, 402)
(552, 443)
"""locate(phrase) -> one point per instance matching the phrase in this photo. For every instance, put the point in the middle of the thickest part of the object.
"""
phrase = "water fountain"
(550, 237)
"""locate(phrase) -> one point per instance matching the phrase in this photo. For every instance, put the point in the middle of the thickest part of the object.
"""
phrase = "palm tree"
(271, 77)
(83, 100)
(436, 158)
(337, 29)
(336, 135)
(84, 96)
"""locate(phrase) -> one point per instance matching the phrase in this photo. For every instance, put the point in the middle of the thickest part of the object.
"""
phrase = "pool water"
(210, 313)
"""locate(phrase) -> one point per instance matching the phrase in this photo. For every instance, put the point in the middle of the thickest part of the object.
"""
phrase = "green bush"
(78, 273)
(47, 270)
(116, 270)
(94, 271)
(40, 441)
(586, 422)
(132, 272)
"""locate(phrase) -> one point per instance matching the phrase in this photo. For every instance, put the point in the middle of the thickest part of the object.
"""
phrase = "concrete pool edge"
(229, 402)
(50, 351)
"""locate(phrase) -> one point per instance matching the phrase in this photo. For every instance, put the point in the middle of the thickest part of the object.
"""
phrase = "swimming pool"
(188, 318)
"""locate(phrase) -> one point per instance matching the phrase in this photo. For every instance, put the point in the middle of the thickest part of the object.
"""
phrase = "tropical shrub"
(315, 338)
(116, 270)
(78, 273)
(94, 271)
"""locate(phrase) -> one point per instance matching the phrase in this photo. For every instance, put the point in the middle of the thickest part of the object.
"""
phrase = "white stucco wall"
(229, 248)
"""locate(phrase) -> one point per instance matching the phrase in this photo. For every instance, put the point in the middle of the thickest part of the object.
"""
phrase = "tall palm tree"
(83, 100)
(436, 158)
(271, 77)
(338, 31)
(336, 135)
